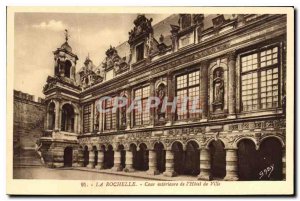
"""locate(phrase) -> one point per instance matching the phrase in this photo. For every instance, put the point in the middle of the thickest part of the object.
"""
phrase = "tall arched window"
(68, 66)
(67, 118)
(51, 116)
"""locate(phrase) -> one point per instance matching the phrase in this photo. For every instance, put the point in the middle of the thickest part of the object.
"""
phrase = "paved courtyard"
(66, 174)
(90, 174)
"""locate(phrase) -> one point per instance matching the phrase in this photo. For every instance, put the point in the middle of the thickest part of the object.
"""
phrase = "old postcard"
(150, 100)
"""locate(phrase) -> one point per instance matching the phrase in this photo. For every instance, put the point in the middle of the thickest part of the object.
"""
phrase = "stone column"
(131, 112)
(283, 164)
(232, 85)
(128, 113)
(91, 159)
(171, 89)
(129, 162)
(100, 162)
(79, 123)
(205, 165)
(57, 116)
(117, 161)
(152, 94)
(169, 164)
(92, 118)
(204, 90)
(231, 165)
(152, 163)
(80, 158)
(76, 122)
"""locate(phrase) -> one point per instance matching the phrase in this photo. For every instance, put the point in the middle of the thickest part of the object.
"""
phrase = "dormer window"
(186, 21)
(140, 52)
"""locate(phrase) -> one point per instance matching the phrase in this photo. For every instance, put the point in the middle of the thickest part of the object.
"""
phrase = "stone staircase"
(27, 158)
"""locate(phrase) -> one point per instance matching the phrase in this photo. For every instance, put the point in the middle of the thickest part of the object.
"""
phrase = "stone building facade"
(236, 64)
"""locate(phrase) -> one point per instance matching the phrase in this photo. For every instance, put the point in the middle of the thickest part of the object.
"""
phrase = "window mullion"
(259, 80)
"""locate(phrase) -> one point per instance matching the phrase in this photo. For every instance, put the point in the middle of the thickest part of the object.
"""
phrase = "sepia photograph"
(150, 100)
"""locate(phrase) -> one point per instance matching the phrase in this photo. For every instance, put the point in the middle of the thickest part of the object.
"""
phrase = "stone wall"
(29, 117)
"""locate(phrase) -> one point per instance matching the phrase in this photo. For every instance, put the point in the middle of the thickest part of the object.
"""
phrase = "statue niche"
(97, 116)
(123, 117)
(218, 89)
(161, 93)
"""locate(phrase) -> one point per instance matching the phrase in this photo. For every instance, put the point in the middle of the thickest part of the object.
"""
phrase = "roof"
(163, 28)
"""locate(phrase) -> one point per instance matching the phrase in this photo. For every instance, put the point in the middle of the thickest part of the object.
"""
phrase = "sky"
(37, 35)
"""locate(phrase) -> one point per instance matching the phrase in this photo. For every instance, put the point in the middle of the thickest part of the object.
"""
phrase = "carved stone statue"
(218, 84)
(97, 119)
(161, 93)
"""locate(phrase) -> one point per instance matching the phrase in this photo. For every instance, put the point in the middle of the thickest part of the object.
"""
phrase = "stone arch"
(76, 114)
(121, 148)
(76, 110)
(85, 155)
(68, 156)
(124, 94)
(67, 118)
(177, 141)
(248, 155)
(192, 158)
(132, 145)
(102, 147)
(158, 142)
(109, 156)
(272, 136)
(209, 141)
(142, 157)
(236, 142)
(95, 150)
(218, 158)
(178, 148)
(68, 65)
(160, 150)
(271, 154)
(194, 140)
(147, 145)
(159, 82)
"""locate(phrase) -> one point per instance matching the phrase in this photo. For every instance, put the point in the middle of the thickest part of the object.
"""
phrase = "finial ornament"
(67, 35)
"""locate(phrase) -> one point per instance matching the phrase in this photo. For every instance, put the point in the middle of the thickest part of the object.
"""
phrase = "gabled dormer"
(141, 39)
(187, 31)
(88, 76)
(113, 64)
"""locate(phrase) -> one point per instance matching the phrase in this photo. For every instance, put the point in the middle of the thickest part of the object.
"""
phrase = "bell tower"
(65, 61)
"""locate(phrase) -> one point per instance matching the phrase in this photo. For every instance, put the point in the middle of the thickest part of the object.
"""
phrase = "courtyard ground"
(64, 174)
(89, 174)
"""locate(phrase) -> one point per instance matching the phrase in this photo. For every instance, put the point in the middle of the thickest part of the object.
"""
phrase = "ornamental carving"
(192, 130)
(142, 27)
(269, 124)
(183, 60)
(51, 83)
(114, 61)
(87, 75)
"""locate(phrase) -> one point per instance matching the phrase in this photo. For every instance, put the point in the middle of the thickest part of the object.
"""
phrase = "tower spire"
(67, 35)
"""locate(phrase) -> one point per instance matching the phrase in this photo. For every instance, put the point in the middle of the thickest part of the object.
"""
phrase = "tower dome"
(66, 46)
